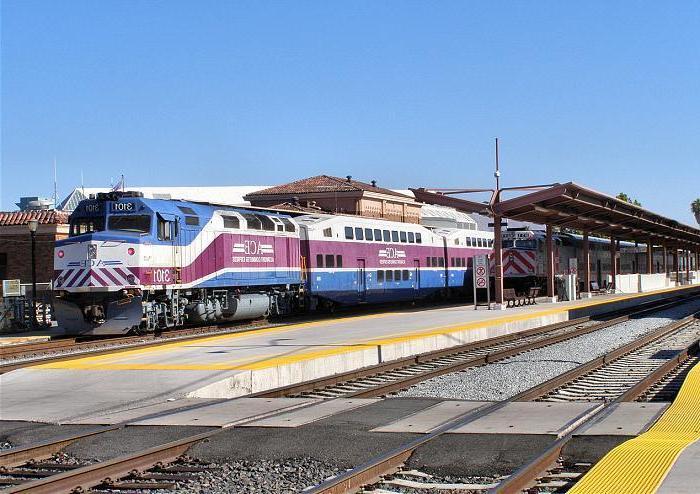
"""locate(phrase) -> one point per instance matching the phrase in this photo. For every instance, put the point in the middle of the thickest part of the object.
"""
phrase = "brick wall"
(17, 249)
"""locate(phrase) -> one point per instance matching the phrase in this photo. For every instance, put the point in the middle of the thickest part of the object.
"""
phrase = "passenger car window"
(288, 225)
(358, 234)
(387, 236)
(348, 232)
(397, 275)
(394, 236)
(327, 232)
(368, 234)
(319, 260)
(380, 276)
(330, 261)
(389, 275)
(267, 223)
(377, 235)
(418, 238)
(339, 261)
(252, 221)
(441, 262)
(403, 237)
(404, 273)
(411, 238)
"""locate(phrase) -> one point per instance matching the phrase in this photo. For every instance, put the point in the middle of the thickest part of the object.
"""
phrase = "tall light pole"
(33, 225)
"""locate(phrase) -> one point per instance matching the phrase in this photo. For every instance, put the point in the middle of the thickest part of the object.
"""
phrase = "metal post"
(498, 261)
(586, 266)
(665, 258)
(650, 256)
(613, 261)
(687, 264)
(550, 264)
(676, 269)
(33, 314)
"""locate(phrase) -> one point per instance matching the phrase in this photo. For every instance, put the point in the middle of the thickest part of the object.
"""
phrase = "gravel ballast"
(508, 377)
(245, 476)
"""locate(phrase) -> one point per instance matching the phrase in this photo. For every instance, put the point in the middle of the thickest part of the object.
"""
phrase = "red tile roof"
(45, 217)
(323, 183)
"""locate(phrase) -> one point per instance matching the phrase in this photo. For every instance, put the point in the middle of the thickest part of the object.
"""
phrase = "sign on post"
(480, 270)
(11, 288)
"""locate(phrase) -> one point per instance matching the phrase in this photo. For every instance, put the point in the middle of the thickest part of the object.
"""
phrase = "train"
(524, 254)
(133, 264)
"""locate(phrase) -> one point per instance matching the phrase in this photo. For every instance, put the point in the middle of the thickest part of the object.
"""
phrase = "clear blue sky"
(408, 93)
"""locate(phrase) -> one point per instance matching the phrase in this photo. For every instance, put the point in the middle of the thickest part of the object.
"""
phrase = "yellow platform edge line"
(640, 465)
(107, 362)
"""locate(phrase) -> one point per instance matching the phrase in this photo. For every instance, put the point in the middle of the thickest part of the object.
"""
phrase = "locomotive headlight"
(131, 251)
(60, 254)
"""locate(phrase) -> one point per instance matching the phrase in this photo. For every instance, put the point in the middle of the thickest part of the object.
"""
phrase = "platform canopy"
(573, 206)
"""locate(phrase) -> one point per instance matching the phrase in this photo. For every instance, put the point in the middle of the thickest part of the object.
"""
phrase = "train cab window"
(405, 275)
(339, 261)
(266, 222)
(288, 225)
(418, 239)
(411, 238)
(279, 226)
(348, 233)
(389, 275)
(330, 261)
(165, 228)
(377, 235)
(136, 223)
(441, 262)
(394, 236)
(358, 234)
(387, 235)
(368, 234)
(380, 276)
(231, 222)
(397, 275)
(404, 238)
(327, 232)
(79, 226)
(319, 260)
(192, 220)
(252, 221)
(187, 210)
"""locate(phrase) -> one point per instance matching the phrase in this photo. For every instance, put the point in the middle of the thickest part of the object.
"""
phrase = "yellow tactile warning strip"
(119, 360)
(638, 466)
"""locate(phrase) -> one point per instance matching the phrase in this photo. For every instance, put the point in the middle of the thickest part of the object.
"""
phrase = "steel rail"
(426, 358)
(384, 464)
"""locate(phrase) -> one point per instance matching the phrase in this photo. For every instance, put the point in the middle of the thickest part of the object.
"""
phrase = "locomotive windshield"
(80, 226)
(136, 223)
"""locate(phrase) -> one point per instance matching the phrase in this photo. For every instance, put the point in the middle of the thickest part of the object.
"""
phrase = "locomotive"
(134, 264)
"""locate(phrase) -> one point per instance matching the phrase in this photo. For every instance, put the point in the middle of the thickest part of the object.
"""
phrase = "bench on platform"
(511, 298)
(596, 289)
(532, 293)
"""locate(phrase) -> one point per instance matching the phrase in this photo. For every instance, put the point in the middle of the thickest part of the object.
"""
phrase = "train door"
(361, 280)
(168, 233)
(416, 277)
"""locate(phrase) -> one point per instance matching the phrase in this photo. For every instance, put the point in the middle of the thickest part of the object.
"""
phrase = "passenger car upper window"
(288, 225)
(418, 238)
(252, 221)
(368, 234)
(267, 223)
(358, 234)
(327, 232)
(377, 235)
(404, 237)
(387, 236)
(411, 237)
(348, 232)
(394, 236)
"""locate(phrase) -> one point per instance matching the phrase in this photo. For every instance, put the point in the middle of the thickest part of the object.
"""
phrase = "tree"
(695, 208)
(624, 197)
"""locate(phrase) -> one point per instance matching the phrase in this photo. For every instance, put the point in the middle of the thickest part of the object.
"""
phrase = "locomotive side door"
(361, 280)
(168, 226)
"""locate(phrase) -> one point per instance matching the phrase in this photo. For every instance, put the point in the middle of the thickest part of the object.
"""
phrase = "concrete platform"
(684, 476)
(227, 366)
(307, 415)
(626, 419)
(431, 418)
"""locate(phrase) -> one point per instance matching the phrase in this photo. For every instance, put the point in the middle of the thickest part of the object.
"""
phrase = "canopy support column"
(550, 265)
(498, 261)
(650, 256)
(613, 261)
(676, 268)
(665, 258)
(586, 293)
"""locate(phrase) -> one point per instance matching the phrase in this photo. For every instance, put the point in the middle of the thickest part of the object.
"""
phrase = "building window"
(3, 266)
(231, 222)
(328, 232)
(330, 261)
(404, 237)
(348, 232)
(339, 261)
(387, 236)
(394, 236)
(368, 234)
(358, 234)
(319, 260)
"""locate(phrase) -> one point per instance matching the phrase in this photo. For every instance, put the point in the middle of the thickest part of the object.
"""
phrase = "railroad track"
(547, 472)
(137, 469)
(396, 375)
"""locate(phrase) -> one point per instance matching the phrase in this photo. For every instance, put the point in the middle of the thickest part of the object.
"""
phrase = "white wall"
(650, 282)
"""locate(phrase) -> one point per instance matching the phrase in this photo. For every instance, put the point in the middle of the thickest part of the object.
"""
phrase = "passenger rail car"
(524, 255)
